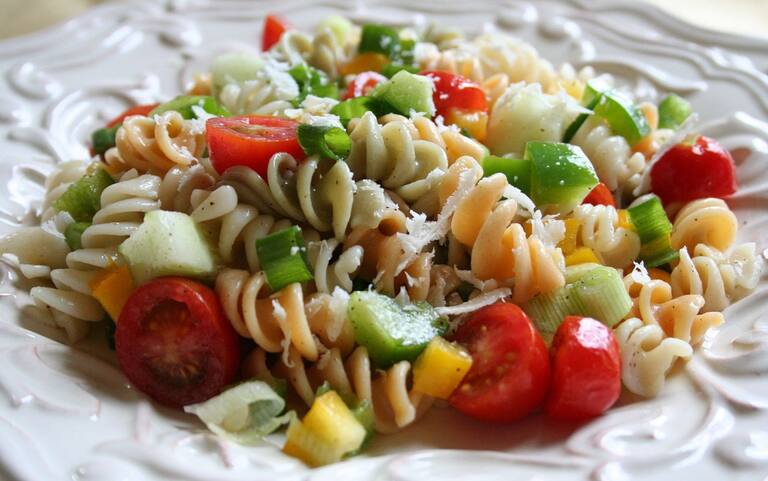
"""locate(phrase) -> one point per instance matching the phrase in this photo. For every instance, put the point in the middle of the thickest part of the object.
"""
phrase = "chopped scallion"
(312, 81)
(649, 219)
(351, 109)
(283, 257)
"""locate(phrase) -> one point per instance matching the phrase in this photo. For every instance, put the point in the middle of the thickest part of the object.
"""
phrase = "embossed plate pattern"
(68, 413)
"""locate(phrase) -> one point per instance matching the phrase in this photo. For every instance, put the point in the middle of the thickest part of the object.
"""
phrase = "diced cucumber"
(517, 171)
(406, 93)
(82, 199)
(392, 332)
(561, 175)
(673, 111)
(168, 244)
(183, 104)
(234, 67)
(74, 232)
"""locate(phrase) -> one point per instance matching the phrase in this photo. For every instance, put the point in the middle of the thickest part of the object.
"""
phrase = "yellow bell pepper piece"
(440, 368)
(112, 287)
(581, 255)
(624, 220)
(570, 241)
(474, 122)
(364, 62)
(326, 434)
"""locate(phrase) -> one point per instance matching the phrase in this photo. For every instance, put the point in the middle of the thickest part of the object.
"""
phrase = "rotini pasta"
(155, 145)
(599, 230)
(704, 221)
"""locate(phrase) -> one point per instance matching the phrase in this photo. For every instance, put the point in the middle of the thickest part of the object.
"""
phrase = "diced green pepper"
(624, 118)
(517, 171)
(392, 332)
(570, 132)
(673, 111)
(83, 198)
(351, 109)
(104, 139)
(561, 175)
(312, 81)
(183, 104)
(331, 142)
(379, 39)
(74, 232)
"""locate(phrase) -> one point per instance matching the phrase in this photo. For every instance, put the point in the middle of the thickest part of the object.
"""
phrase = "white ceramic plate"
(66, 414)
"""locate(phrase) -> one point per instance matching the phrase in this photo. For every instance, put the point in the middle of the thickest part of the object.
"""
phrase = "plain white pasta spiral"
(330, 273)
(156, 144)
(317, 192)
(615, 246)
(328, 54)
(293, 48)
(704, 221)
(718, 277)
(58, 181)
(647, 355)
(257, 97)
(394, 404)
(36, 250)
(616, 165)
(123, 205)
(179, 183)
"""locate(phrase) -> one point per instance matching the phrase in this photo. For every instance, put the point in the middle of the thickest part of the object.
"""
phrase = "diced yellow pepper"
(624, 220)
(581, 255)
(112, 287)
(474, 122)
(440, 368)
(326, 434)
(570, 241)
(364, 62)
(659, 275)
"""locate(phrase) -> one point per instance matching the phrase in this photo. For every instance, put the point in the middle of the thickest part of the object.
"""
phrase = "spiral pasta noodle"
(316, 192)
(293, 48)
(394, 404)
(179, 184)
(330, 274)
(260, 96)
(58, 182)
(155, 144)
(500, 249)
(717, 277)
(599, 230)
(616, 165)
(329, 53)
(680, 317)
(647, 355)
(704, 221)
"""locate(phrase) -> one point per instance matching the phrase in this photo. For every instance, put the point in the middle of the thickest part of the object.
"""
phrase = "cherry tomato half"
(362, 84)
(174, 342)
(136, 110)
(586, 370)
(250, 140)
(454, 91)
(600, 195)
(510, 372)
(274, 27)
(693, 171)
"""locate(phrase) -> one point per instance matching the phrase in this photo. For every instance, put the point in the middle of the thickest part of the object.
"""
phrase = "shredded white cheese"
(484, 299)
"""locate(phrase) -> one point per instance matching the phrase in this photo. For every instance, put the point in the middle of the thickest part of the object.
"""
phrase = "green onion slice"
(650, 220)
(331, 142)
(283, 257)
(351, 109)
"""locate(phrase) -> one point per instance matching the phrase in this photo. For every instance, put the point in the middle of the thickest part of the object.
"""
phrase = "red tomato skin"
(586, 370)
(362, 84)
(210, 335)
(688, 172)
(229, 147)
(600, 195)
(274, 27)
(136, 110)
(455, 91)
(510, 372)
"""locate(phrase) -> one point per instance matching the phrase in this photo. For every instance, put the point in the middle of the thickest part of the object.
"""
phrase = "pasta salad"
(331, 235)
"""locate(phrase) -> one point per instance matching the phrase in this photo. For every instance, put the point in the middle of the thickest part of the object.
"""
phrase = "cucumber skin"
(390, 332)
(406, 92)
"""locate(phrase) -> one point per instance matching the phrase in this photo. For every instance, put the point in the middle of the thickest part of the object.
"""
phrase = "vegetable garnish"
(312, 82)
(672, 177)
(283, 258)
(586, 370)
(274, 28)
(353, 108)
(174, 343)
(517, 171)
(243, 413)
(250, 140)
(331, 142)
(561, 175)
(654, 228)
(624, 118)
(362, 84)
(183, 104)
(83, 198)
(510, 372)
(600, 195)
(673, 111)
(73, 234)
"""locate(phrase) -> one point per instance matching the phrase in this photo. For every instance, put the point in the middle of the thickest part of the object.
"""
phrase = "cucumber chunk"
(561, 175)
(234, 67)
(82, 199)
(168, 244)
(405, 93)
(392, 332)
